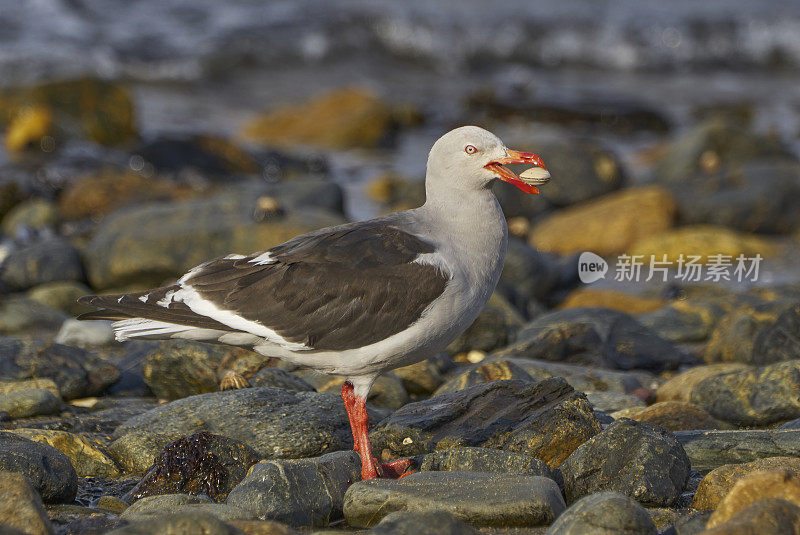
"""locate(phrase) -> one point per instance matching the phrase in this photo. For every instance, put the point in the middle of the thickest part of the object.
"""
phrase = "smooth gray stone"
(415, 523)
(183, 523)
(708, 450)
(274, 422)
(46, 261)
(220, 511)
(604, 513)
(477, 498)
(162, 501)
(484, 460)
(302, 492)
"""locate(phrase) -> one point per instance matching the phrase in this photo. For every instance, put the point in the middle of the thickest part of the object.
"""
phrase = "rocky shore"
(566, 408)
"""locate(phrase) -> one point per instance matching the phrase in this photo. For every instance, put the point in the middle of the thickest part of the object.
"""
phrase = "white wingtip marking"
(262, 259)
(166, 300)
(144, 298)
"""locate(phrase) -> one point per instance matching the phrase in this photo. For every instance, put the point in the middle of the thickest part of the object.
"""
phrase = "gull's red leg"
(356, 407)
(360, 424)
(349, 399)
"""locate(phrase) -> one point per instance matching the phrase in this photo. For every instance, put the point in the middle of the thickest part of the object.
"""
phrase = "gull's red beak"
(528, 179)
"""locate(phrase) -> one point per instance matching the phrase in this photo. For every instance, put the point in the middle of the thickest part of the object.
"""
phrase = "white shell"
(535, 174)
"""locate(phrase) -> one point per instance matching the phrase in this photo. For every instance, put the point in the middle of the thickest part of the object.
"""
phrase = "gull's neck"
(470, 232)
(470, 220)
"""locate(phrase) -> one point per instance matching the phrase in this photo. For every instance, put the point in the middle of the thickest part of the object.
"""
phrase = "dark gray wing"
(342, 288)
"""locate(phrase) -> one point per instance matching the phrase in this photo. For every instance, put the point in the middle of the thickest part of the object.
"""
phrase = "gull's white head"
(470, 157)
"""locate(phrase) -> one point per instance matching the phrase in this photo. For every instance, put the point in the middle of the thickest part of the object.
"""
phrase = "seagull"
(356, 299)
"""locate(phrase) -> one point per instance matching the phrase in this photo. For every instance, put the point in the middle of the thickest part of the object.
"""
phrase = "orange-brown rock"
(673, 415)
(624, 302)
(704, 241)
(756, 486)
(346, 118)
(770, 515)
(606, 225)
(679, 388)
(98, 194)
(101, 111)
(719, 482)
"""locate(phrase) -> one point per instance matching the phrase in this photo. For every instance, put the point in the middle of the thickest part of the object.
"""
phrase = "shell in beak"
(535, 175)
(528, 179)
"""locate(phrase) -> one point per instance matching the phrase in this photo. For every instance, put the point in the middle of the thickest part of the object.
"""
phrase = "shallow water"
(189, 39)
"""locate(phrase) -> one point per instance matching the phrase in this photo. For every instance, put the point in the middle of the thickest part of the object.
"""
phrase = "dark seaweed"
(188, 463)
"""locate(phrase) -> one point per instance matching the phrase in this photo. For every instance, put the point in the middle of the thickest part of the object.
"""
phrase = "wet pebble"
(181, 368)
(62, 295)
(19, 314)
(773, 515)
(42, 262)
(47, 469)
(281, 379)
(77, 372)
(87, 456)
(27, 403)
(594, 336)
(32, 214)
(484, 460)
(755, 396)
(673, 416)
(157, 506)
(136, 451)
(639, 460)
(179, 523)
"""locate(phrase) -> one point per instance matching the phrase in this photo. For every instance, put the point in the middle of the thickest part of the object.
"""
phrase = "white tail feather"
(144, 328)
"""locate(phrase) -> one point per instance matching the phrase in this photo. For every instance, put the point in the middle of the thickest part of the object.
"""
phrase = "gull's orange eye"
(470, 149)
